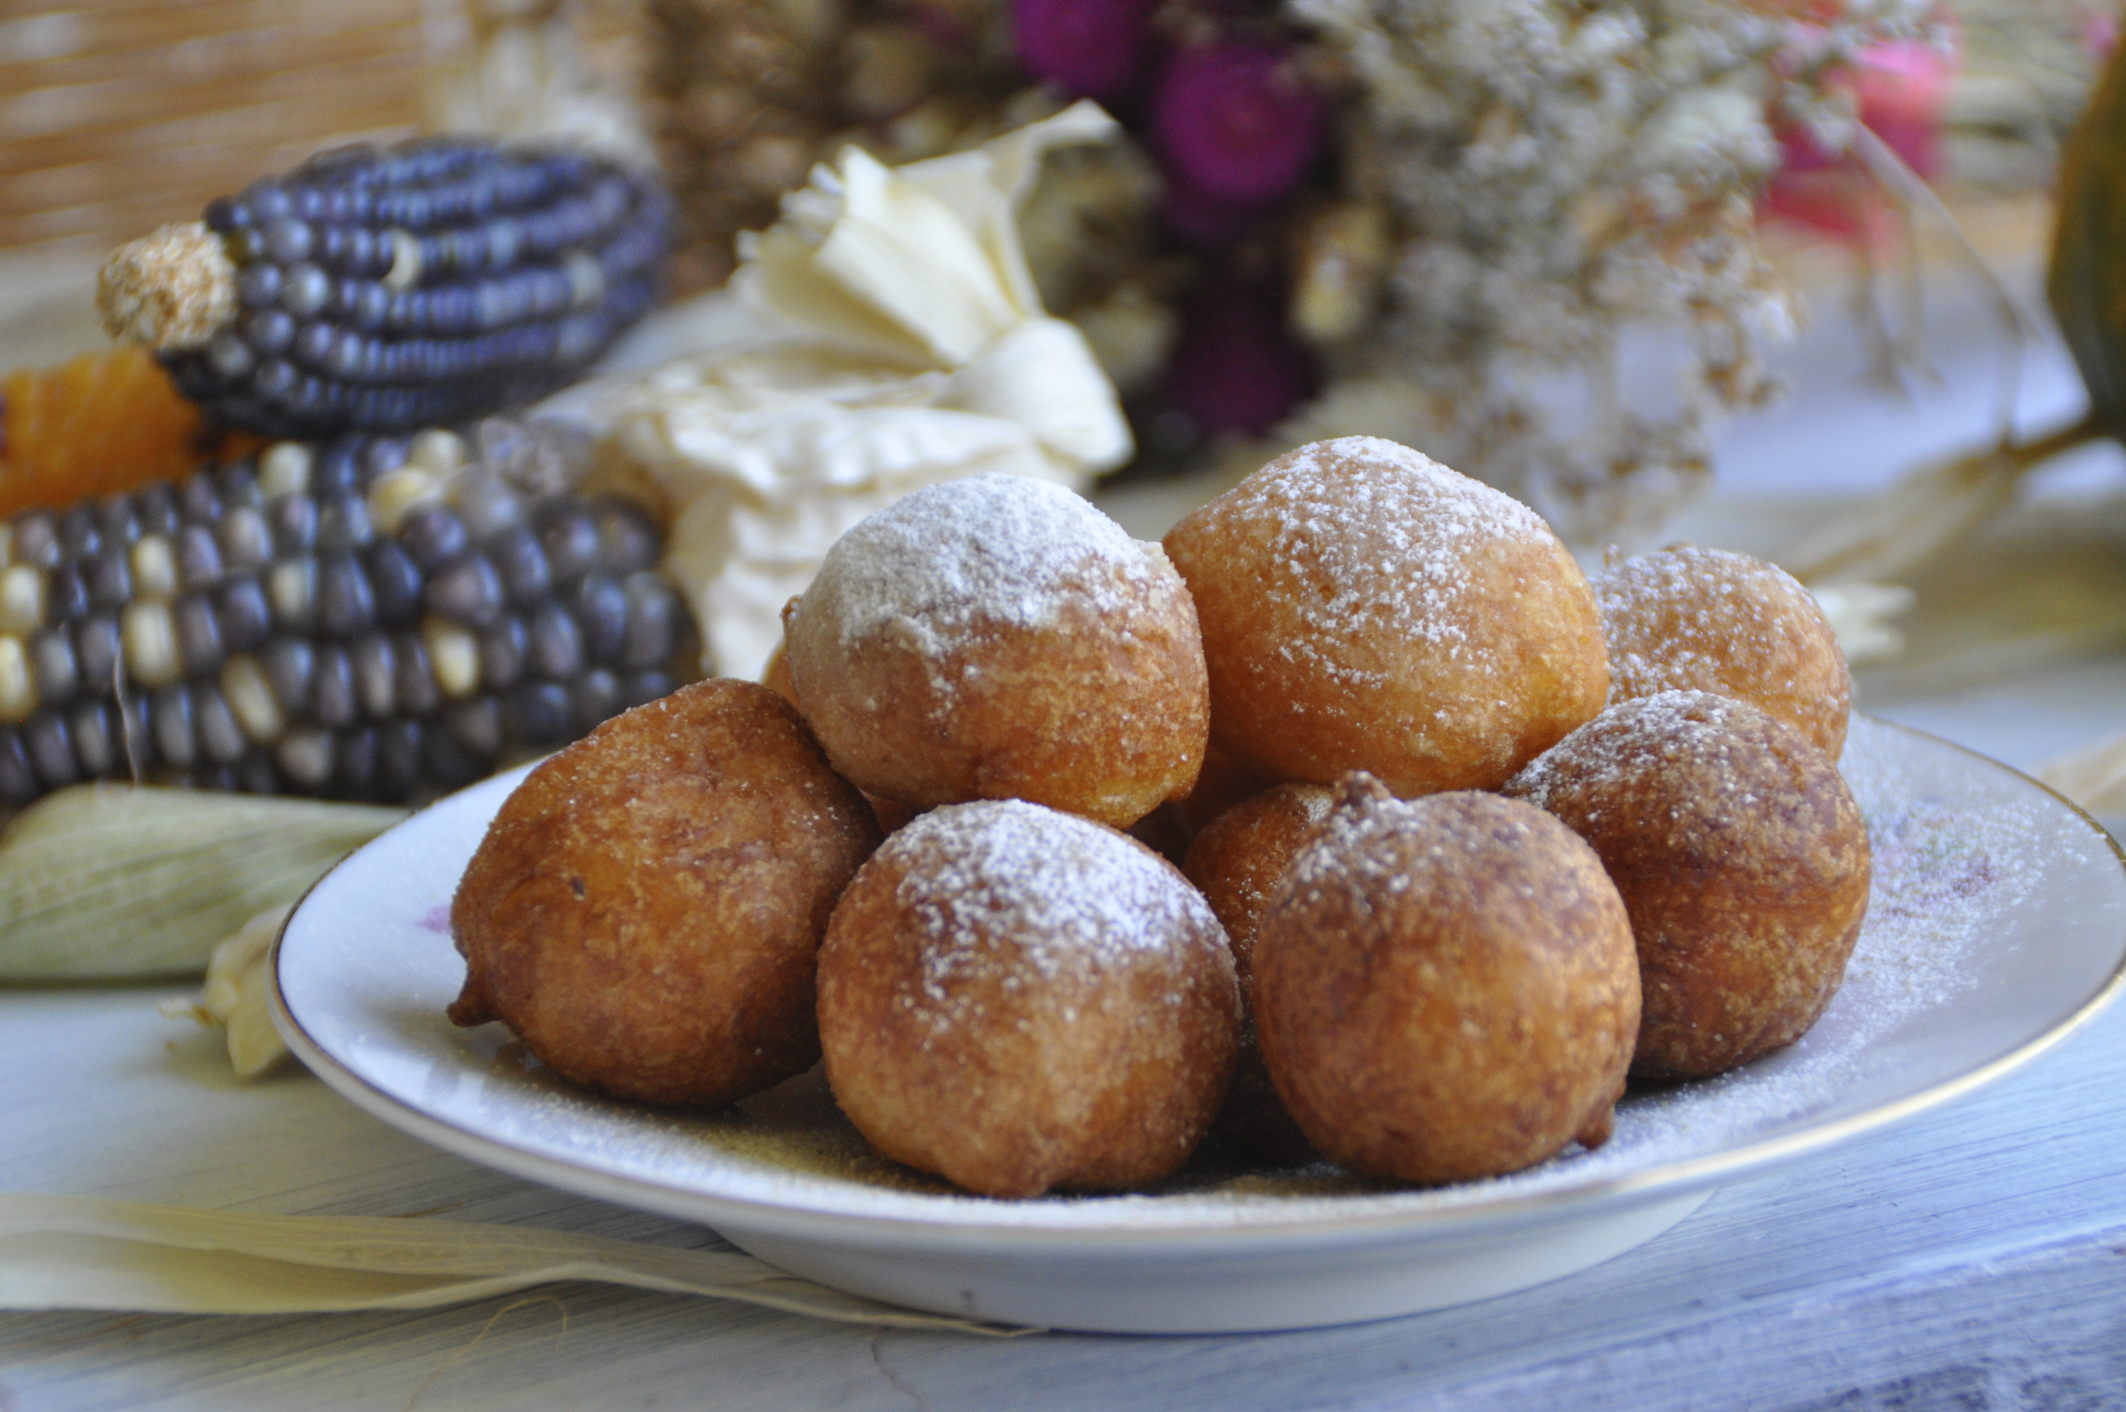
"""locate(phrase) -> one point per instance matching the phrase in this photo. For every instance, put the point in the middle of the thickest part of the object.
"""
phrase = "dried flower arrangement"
(1435, 220)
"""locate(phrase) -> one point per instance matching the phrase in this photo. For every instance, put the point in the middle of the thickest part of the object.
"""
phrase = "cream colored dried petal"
(173, 289)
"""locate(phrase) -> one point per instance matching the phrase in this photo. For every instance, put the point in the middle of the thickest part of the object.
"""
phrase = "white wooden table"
(1974, 1259)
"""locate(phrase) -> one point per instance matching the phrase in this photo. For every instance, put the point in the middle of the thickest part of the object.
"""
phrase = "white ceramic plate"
(1997, 926)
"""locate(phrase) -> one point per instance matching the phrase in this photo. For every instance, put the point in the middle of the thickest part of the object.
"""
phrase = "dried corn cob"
(94, 424)
(385, 291)
(365, 619)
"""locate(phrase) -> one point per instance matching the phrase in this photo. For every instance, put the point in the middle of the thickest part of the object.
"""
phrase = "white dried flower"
(1558, 171)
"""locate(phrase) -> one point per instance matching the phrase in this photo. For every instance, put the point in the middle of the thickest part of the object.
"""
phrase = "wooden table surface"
(1971, 1259)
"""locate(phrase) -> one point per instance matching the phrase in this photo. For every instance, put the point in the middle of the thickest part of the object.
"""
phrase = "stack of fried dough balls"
(1429, 880)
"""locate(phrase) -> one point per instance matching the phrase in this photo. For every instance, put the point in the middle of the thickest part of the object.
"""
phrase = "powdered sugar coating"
(1632, 740)
(1741, 855)
(1020, 1000)
(942, 563)
(1022, 895)
(1711, 620)
(1445, 988)
(1364, 607)
(1382, 550)
(999, 638)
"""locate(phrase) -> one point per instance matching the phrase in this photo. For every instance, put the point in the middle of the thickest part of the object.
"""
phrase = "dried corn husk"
(105, 881)
(233, 1000)
(2093, 776)
(1926, 510)
(1860, 614)
(74, 1252)
(913, 349)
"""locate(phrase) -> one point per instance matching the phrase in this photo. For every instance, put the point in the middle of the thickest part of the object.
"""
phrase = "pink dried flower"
(1235, 120)
(1899, 89)
(1236, 367)
(1088, 48)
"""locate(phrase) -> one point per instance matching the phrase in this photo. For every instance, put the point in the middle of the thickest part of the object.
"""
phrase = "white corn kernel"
(154, 567)
(149, 637)
(18, 697)
(284, 470)
(454, 655)
(291, 589)
(439, 452)
(21, 599)
(405, 270)
(250, 697)
(404, 489)
(306, 755)
(586, 279)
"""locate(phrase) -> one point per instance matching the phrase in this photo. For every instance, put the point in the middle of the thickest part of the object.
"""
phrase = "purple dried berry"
(1236, 367)
(1087, 48)
(1236, 121)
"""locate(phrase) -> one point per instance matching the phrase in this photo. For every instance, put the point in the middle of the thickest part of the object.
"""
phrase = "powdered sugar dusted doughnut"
(998, 637)
(1445, 987)
(1364, 607)
(1020, 1000)
(1741, 856)
(1690, 619)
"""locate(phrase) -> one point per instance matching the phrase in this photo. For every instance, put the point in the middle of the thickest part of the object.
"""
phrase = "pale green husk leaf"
(109, 882)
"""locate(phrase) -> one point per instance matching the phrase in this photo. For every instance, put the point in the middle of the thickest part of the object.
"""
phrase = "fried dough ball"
(1021, 1000)
(1742, 859)
(1169, 829)
(776, 678)
(1364, 607)
(1445, 987)
(1690, 619)
(645, 909)
(999, 638)
(1236, 862)
(1223, 783)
